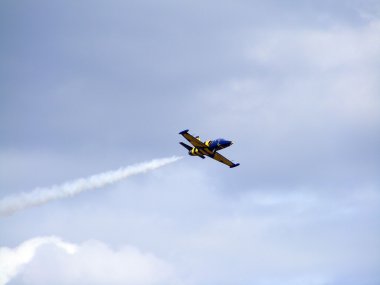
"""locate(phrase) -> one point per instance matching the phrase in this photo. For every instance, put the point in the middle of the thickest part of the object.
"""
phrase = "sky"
(91, 86)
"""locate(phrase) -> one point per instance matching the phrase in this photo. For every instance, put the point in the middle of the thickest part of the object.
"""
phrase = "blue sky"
(89, 86)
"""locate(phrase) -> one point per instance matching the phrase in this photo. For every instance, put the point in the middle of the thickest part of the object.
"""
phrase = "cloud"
(288, 236)
(323, 48)
(13, 260)
(330, 72)
(294, 84)
(308, 112)
(91, 262)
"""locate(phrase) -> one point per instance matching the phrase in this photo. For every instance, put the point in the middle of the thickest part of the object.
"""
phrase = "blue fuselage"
(219, 144)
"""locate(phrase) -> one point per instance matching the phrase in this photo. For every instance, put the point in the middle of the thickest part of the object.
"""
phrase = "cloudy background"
(89, 86)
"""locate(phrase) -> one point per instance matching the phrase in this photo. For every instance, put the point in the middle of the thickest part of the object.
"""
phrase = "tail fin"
(186, 146)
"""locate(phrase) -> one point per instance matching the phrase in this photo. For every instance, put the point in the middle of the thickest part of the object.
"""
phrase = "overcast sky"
(90, 86)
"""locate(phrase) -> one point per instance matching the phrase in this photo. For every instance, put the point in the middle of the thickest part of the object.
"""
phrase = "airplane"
(208, 148)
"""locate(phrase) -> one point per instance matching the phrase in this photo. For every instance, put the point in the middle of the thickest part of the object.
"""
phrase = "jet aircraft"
(208, 148)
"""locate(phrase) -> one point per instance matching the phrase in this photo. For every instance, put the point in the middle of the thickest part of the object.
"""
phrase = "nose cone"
(227, 143)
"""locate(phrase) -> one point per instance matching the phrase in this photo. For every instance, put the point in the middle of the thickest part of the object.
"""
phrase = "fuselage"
(212, 147)
(218, 144)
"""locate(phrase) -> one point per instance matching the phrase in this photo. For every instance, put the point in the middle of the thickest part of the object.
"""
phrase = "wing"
(194, 141)
(217, 156)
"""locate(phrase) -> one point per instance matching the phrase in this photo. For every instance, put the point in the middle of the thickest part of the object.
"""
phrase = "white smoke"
(12, 260)
(39, 196)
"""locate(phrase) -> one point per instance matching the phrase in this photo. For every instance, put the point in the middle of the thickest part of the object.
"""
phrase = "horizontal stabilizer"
(236, 164)
(186, 146)
(184, 132)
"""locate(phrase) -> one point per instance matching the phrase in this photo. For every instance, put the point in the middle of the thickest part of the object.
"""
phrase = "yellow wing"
(217, 156)
(194, 141)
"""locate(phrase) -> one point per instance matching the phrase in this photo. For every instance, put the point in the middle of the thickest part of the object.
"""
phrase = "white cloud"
(92, 262)
(13, 260)
(308, 107)
(333, 47)
(284, 238)
(288, 236)
(305, 74)
(285, 94)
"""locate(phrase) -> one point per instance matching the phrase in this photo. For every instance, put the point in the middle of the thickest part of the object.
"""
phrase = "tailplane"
(186, 146)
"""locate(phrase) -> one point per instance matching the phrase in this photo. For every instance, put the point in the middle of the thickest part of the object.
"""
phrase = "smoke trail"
(12, 260)
(39, 196)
